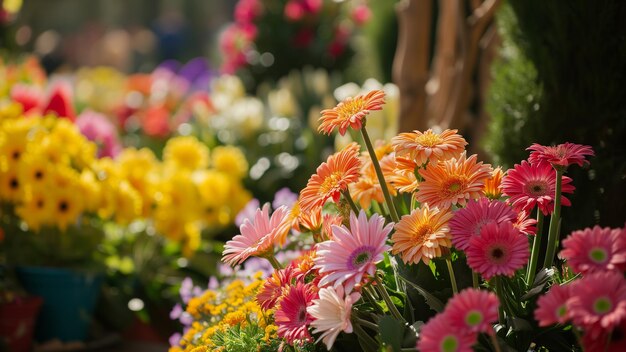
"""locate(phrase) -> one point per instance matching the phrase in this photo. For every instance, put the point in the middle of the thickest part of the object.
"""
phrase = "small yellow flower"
(231, 161)
(186, 153)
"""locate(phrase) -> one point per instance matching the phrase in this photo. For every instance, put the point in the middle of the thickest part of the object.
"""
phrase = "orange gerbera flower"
(351, 112)
(422, 234)
(401, 173)
(492, 184)
(429, 146)
(453, 181)
(367, 188)
(332, 177)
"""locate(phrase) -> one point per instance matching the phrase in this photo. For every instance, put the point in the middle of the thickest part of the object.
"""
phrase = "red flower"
(560, 156)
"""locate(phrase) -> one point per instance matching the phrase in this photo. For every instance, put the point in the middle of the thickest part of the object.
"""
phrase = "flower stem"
(368, 341)
(553, 235)
(367, 324)
(275, 264)
(500, 293)
(348, 198)
(452, 277)
(475, 281)
(379, 174)
(494, 341)
(383, 292)
(534, 256)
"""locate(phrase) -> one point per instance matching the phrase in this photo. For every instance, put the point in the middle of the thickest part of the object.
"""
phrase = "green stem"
(366, 323)
(379, 174)
(383, 292)
(534, 255)
(275, 264)
(475, 281)
(494, 342)
(348, 198)
(369, 342)
(500, 294)
(452, 277)
(553, 236)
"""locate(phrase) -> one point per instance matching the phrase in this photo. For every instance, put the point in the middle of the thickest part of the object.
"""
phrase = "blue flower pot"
(69, 300)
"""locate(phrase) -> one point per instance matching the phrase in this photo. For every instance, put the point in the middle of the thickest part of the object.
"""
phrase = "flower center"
(598, 255)
(302, 315)
(38, 174)
(497, 254)
(450, 343)
(14, 184)
(15, 155)
(421, 232)
(63, 206)
(537, 188)
(347, 109)
(330, 182)
(39, 203)
(360, 257)
(473, 318)
(602, 305)
(428, 140)
(454, 186)
(560, 311)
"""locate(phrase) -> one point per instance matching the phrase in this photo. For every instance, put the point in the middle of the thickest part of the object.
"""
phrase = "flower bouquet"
(414, 245)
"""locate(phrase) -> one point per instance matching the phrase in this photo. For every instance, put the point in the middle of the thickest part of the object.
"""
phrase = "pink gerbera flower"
(598, 302)
(473, 311)
(560, 156)
(528, 185)
(353, 252)
(332, 312)
(291, 317)
(468, 222)
(274, 287)
(552, 307)
(436, 336)
(596, 249)
(499, 250)
(257, 237)
(525, 224)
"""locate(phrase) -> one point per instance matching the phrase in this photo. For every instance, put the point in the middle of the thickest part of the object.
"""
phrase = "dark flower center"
(14, 184)
(63, 206)
(38, 174)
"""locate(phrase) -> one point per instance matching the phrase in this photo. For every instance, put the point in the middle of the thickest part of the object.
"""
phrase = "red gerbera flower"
(560, 156)
(292, 317)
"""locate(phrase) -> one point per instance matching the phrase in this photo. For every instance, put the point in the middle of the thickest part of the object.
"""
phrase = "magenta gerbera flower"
(560, 156)
(257, 237)
(436, 336)
(473, 311)
(552, 307)
(468, 222)
(500, 249)
(332, 312)
(274, 287)
(353, 252)
(291, 317)
(598, 302)
(528, 185)
(596, 249)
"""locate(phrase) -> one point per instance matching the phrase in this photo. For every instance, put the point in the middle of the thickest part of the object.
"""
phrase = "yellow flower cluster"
(219, 311)
(49, 172)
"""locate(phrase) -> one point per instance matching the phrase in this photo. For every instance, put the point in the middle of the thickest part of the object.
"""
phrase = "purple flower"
(213, 283)
(284, 196)
(247, 212)
(176, 312)
(186, 319)
(175, 339)
(186, 288)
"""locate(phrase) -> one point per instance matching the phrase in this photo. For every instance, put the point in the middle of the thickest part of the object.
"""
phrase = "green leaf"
(391, 332)
(541, 280)
(433, 302)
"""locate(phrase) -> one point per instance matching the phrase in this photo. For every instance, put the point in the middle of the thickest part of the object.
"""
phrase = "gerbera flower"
(598, 302)
(329, 221)
(499, 250)
(331, 178)
(257, 237)
(274, 287)
(303, 266)
(332, 312)
(524, 224)
(422, 234)
(353, 252)
(436, 336)
(467, 222)
(351, 112)
(453, 181)
(401, 174)
(367, 188)
(552, 307)
(473, 311)
(291, 317)
(560, 156)
(492, 184)
(528, 185)
(429, 146)
(594, 250)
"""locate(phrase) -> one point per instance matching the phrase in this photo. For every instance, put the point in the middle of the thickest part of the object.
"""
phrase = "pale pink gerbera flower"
(596, 249)
(437, 336)
(257, 237)
(528, 185)
(332, 312)
(473, 311)
(353, 252)
(499, 250)
(291, 317)
(560, 156)
(467, 222)
(598, 302)
(552, 307)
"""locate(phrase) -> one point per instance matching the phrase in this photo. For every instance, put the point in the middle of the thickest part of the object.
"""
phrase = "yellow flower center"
(454, 186)
(330, 182)
(421, 232)
(350, 107)
(428, 139)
